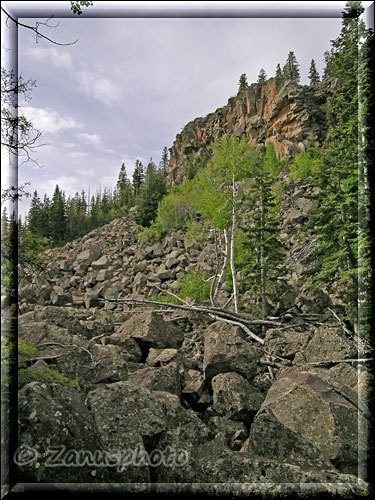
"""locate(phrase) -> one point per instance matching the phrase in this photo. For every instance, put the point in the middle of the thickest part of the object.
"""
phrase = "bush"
(305, 164)
(194, 285)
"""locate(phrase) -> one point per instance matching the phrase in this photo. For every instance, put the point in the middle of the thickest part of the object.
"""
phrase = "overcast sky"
(128, 86)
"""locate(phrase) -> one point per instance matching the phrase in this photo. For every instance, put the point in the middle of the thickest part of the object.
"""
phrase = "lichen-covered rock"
(129, 421)
(234, 397)
(54, 420)
(150, 330)
(110, 363)
(303, 420)
(225, 350)
(166, 378)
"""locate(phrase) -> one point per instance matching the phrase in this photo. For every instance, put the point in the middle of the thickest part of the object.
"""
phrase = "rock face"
(288, 115)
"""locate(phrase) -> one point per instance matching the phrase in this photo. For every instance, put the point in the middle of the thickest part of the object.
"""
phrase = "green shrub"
(306, 164)
(194, 285)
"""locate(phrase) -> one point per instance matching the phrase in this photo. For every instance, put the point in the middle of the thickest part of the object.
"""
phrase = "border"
(187, 9)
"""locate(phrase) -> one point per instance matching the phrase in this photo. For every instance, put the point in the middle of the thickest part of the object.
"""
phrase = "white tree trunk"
(262, 268)
(232, 266)
(224, 267)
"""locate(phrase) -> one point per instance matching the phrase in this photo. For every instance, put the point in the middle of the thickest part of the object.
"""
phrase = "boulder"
(129, 420)
(104, 275)
(304, 421)
(149, 330)
(110, 363)
(225, 350)
(102, 263)
(234, 397)
(166, 378)
(306, 205)
(51, 418)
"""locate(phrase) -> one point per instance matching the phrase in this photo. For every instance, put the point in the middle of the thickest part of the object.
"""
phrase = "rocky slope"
(288, 115)
(158, 398)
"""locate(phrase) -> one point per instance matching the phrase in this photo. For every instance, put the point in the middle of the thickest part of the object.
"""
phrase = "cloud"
(79, 155)
(51, 55)
(92, 139)
(95, 85)
(49, 121)
(69, 184)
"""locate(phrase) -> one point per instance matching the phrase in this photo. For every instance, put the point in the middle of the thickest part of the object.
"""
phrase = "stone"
(110, 364)
(52, 416)
(90, 299)
(102, 263)
(166, 378)
(104, 275)
(233, 397)
(149, 330)
(130, 418)
(225, 350)
(59, 297)
(193, 386)
(303, 421)
(306, 205)
(85, 258)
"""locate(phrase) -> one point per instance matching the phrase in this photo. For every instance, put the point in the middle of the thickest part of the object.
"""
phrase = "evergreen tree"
(4, 221)
(46, 211)
(336, 225)
(138, 178)
(58, 218)
(35, 216)
(123, 193)
(313, 74)
(262, 77)
(151, 194)
(291, 68)
(242, 84)
(327, 57)
(164, 160)
(279, 74)
(263, 248)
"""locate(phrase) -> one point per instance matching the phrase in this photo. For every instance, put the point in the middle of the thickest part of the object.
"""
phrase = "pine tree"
(150, 195)
(263, 248)
(123, 193)
(35, 216)
(164, 160)
(291, 68)
(58, 218)
(279, 75)
(242, 84)
(4, 221)
(262, 77)
(336, 225)
(138, 178)
(313, 74)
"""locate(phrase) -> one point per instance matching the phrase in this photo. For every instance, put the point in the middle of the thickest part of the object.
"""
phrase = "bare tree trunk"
(224, 267)
(262, 267)
(213, 282)
(232, 266)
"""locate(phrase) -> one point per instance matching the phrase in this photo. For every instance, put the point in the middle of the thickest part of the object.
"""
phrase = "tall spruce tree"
(36, 220)
(150, 195)
(264, 251)
(242, 83)
(123, 191)
(279, 74)
(336, 225)
(138, 177)
(313, 74)
(262, 77)
(291, 68)
(58, 217)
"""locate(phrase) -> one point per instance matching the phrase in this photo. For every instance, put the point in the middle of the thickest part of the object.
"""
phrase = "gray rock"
(234, 397)
(104, 275)
(225, 350)
(102, 263)
(305, 422)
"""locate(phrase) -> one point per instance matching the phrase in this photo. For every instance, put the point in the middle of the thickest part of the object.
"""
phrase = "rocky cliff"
(288, 115)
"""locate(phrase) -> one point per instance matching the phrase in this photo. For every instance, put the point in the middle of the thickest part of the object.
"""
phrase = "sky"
(129, 85)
